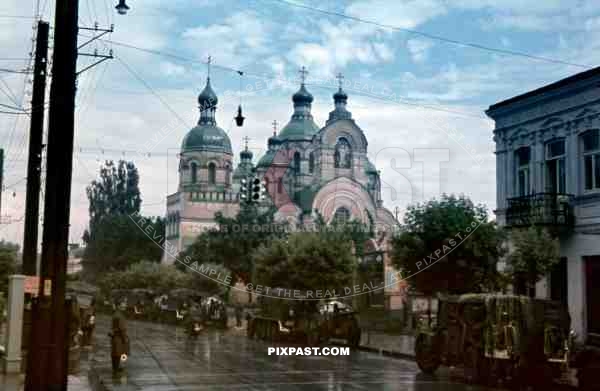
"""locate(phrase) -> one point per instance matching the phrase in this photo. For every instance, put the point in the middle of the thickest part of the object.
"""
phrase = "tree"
(117, 242)
(234, 240)
(113, 240)
(534, 253)
(8, 263)
(115, 192)
(306, 261)
(448, 246)
(160, 278)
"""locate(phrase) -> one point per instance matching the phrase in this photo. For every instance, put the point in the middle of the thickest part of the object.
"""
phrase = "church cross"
(340, 78)
(303, 72)
(246, 139)
(208, 64)
(274, 123)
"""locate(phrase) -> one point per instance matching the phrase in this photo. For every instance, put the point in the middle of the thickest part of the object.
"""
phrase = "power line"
(141, 80)
(264, 76)
(435, 37)
(15, 113)
(12, 107)
(15, 71)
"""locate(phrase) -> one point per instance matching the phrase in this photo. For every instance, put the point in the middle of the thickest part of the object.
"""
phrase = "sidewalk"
(77, 382)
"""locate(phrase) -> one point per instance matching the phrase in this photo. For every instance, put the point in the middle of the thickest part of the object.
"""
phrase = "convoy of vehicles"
(510, 338)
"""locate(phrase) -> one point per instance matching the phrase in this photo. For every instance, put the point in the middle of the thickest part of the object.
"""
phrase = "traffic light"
(244, 191)
(258, 190)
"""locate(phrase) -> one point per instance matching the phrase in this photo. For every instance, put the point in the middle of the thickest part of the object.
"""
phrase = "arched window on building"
(194, 173)
(212, 173)
(311, 162)
(280, 186)
(341, 216)
(343, 154)
(267, 184)
(297, 162)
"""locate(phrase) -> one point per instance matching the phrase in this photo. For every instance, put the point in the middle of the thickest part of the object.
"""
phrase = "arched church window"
(297, 162)
(194, 167)
(341, 216)
(212, 173)
(280, 186)
(311, 162)
(343, 154)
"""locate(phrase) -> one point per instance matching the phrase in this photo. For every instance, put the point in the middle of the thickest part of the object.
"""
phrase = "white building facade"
(548, 174)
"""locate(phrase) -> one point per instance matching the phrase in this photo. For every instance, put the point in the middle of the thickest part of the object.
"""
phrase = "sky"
(416, 89)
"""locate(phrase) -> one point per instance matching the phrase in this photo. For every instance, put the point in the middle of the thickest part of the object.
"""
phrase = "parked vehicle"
(303, 322)
(511, 338)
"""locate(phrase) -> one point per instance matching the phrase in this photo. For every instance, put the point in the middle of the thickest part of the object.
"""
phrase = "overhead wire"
(434, 36)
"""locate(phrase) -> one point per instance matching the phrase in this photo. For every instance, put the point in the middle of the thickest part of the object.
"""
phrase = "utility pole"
(34, 163)
(47, 360)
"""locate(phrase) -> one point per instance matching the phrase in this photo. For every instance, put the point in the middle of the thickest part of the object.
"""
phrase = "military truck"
(301, 321)
(502, 338)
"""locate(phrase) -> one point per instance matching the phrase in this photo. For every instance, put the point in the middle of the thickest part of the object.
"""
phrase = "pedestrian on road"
(119, 341)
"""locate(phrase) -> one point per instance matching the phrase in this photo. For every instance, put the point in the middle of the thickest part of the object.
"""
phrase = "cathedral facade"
(308, 170)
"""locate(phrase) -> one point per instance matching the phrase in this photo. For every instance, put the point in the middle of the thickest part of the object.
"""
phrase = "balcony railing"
(550, 209)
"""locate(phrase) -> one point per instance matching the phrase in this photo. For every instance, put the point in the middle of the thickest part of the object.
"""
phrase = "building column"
(501, 179)
(14, 324)
(538, 167)
(572, 162)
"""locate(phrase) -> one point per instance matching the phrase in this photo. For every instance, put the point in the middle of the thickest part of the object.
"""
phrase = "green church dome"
(207, 137)
(299, 129)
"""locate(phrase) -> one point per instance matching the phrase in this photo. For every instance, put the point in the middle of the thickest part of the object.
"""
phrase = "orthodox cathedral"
(308, 170)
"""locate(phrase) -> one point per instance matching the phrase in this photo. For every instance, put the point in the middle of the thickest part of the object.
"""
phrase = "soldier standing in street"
(119, 341)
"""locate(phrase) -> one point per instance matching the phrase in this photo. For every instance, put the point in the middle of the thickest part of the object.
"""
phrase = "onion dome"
(340, 96)
(246, 155)
(207, 136)
(340, 99)
(302, 97)
(207, 98)
(245, 168)
(301, 125)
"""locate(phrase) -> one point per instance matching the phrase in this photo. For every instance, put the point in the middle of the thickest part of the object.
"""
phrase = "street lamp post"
(48, 355)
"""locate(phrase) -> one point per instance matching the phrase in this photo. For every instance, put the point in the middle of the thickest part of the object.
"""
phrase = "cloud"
(419, 49)
(239, 39)
(402, 13)
(170, 69)
(342, 44)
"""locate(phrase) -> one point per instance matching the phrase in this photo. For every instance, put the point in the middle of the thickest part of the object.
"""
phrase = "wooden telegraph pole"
(47, 360)
(34, 163)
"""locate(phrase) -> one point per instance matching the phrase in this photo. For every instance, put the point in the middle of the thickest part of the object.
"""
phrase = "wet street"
(164, 358)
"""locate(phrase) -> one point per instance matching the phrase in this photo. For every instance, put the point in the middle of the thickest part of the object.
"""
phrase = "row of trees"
(450, 231)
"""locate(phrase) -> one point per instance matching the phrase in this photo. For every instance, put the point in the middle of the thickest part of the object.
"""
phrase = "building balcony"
(544, 209)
